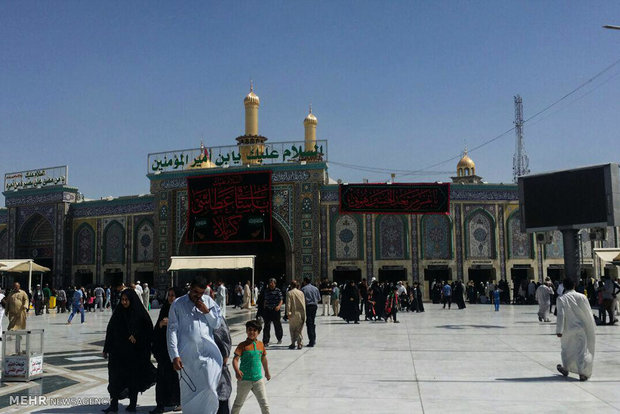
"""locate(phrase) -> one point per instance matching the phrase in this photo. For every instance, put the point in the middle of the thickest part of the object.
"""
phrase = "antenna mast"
(520, 162)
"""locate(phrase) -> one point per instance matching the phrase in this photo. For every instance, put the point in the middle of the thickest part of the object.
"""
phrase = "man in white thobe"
(192, 349)
(575, 326)
(220, 297)
(543, 297)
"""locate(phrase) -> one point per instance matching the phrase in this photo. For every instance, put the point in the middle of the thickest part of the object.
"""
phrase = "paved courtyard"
(473, 360)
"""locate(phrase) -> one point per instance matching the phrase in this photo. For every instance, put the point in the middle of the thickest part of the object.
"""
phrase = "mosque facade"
(132, 238)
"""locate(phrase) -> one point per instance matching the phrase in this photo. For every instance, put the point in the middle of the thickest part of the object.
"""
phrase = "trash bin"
(22, 355)
(52, 302)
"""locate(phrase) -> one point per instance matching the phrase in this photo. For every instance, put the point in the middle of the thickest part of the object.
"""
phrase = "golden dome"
(310, 119)
(251, 98)
(466, 162)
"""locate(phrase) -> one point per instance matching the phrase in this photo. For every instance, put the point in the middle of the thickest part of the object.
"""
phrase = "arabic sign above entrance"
(44, 177)
(231, 155)
(403, 198)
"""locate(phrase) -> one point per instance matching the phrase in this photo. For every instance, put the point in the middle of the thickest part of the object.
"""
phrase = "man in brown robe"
(17, 304)
(296, 311)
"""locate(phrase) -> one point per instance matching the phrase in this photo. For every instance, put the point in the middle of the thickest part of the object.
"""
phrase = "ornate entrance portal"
(272, 258)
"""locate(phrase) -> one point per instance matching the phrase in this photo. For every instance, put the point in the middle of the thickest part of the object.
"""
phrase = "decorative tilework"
(4, 248)
(289, 176)
(174, 183)
(84, 210)
(324, 242)
(391, 233)
(143, 245)
(25, 213)
(307, 259)
(47, 198)
(436, 237)
(345, 237)
(585, 244)
(370, 270)
(458, 193)
(85, 245)
(502, 245)
(520, 244)
(414, 248)
(555, 250)
(181, 217)
(328, 195)
(479, 236)
(114, 243)
(459, 242)
(4, 216)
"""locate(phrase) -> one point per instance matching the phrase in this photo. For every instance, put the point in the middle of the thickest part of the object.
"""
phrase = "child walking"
(250, 355)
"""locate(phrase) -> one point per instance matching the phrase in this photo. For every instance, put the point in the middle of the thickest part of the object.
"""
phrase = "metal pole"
(570, 238)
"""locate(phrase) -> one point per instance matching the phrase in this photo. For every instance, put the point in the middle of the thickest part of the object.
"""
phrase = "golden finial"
(251, 85)
(310, 107)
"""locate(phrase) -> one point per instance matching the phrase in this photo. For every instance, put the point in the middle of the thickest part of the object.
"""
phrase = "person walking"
(271, 312)
(326, 295)
(224, 387)
(335, 299)
(61, 300)
(296, 312)
(247, 296)
(250, 357)
(191, 345)
(167, 391)
(77, 304)
(47, 294)
(127, 348)
(220, 297)
(312, 296)
(446, 295)
(17, 305)
(543, 294)
(350, 303)
(99, 292)
(575, 327)
(146, 294)
(108, 297)
(38, 299)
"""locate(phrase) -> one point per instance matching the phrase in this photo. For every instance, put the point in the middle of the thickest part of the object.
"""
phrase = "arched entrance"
(273, 259)
(35, 240)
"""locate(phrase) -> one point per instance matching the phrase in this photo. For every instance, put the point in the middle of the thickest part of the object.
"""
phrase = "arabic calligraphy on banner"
(226, 156)
(229, 208)
(402, 198)
(45, 177)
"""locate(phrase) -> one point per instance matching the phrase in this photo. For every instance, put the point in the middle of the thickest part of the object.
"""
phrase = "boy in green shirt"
(249, 356)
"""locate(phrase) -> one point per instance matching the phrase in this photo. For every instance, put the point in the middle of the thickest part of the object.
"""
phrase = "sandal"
(582, 377)
(563, 370)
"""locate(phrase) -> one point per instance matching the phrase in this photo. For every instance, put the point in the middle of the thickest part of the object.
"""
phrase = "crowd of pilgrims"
(131, 337)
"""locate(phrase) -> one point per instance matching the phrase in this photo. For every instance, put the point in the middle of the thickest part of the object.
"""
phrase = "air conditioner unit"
(598, 233)
(544, 237)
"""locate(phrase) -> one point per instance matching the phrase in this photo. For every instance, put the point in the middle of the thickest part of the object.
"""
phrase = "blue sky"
(395, 85)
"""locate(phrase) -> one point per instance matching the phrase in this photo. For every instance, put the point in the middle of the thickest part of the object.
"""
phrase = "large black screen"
(564, 198)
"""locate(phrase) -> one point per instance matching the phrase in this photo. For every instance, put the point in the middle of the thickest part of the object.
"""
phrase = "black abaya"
(129, 365)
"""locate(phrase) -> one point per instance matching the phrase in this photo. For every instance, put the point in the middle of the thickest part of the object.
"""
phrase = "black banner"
(229, 208)
(401, 198)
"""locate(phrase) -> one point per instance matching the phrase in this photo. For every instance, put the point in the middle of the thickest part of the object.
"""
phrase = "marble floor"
(471, 360)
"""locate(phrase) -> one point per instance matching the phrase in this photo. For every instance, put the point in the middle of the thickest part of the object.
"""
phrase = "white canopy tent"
(22, 266)
(611, 255)
(210, 262)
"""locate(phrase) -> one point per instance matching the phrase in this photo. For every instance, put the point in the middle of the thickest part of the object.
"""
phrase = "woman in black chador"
(128, 350)
(349, 304)
(167, 391)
